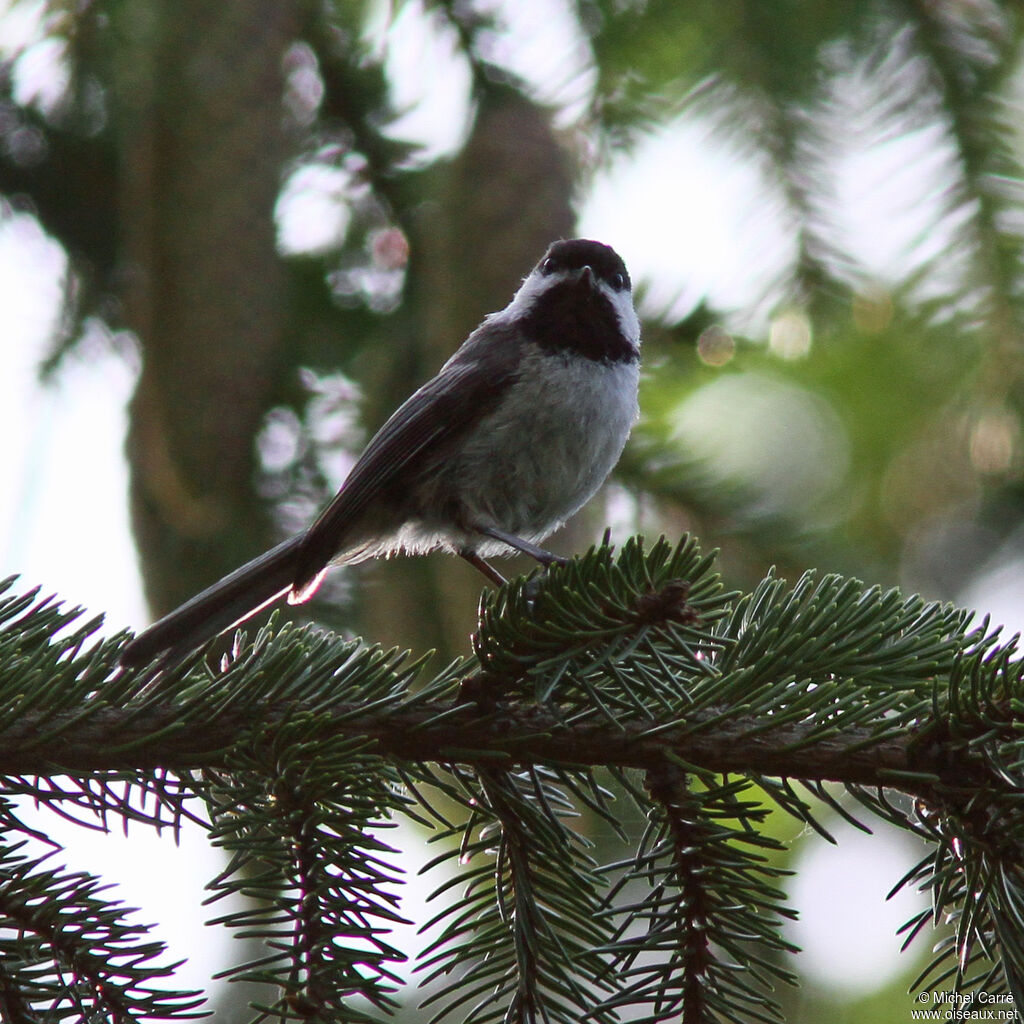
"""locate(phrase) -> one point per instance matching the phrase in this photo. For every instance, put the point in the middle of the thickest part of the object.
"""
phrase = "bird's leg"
(484, 566)
(546, 558)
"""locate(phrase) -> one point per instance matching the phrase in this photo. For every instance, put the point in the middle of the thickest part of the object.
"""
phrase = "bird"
(514, 434)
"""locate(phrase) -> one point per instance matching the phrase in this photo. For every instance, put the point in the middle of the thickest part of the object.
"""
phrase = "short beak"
(587, 277)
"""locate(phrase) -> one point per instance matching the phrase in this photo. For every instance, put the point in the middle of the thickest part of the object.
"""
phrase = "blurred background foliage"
(242, 217)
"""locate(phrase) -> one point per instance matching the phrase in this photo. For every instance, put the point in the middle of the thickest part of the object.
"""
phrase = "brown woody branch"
(156, 737)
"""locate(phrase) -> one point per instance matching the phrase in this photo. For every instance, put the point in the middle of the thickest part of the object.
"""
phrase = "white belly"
(527, 474)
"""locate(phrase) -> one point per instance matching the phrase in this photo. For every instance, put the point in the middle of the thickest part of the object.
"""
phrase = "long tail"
(221, 606)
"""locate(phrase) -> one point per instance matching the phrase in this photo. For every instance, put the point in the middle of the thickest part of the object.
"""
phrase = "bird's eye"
(548, 266)
(618, 282)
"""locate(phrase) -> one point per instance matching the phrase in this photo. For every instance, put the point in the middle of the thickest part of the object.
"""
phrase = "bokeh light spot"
(716, 346)
(790, 334)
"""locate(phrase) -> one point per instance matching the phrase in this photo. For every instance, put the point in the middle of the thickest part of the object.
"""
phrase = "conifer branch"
(115, 740)
(300, 744)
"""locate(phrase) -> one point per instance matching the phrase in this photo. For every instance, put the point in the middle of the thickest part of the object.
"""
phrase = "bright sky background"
(63, 511)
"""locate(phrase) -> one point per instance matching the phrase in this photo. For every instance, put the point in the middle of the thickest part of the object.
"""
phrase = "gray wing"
(466, 389)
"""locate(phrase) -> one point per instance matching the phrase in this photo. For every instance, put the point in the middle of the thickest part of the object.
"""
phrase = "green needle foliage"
(67, 953)
(295, 812)
(708, 913)
(624, 687)
(522, 939)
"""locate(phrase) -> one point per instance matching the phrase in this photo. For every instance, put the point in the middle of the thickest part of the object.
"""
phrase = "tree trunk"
(203, 146)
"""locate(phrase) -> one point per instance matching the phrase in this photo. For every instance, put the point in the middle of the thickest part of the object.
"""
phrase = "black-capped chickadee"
(515, 433)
